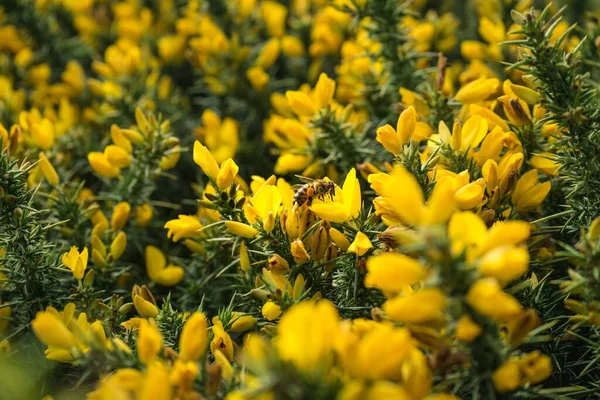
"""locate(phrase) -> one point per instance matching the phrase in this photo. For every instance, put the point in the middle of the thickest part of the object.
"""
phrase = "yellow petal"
(390, 272)
(417, 307)
(155, 261)
(351, 194)
(333, 211)
(52, 331)
(240, 229)
(48, 170)
(205, 160)
(360, 245)
(194, 338)
(170, 276)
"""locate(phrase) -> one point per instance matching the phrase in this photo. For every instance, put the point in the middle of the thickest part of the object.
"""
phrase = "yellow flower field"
(303, 199)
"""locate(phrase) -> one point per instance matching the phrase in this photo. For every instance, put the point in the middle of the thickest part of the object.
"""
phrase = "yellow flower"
(307, 333)
(299, 252)
(536, 367)
(393, 140)
(227, 173)
(349, 206)
(117, 156)
(102, 166)
(118, 245)
(401, 201)
(292, 46)
(278, 265)
(271, 311)
(545, 163)
(243, 230)
(505, 263)
(530, 96)
(132, 136)
(528, 193)
(274, 15)
(244, 258)
(493, 119)
(507, 377)
(266, 202)
(48, 170)
(360, 245)
(76, 262)
(295, 224)
(183, 375)
(290, 162)
(466, 329)
(43, 133)
(477, 91)
(469, 196)
(120, 215)
(379, 389)
(303, 105)
(516, 110)
(144, 213)
(339, 239)
(324, 90)
(417, 307)
(155, 385)
(269, 53)
(258, 78)
(170, 160)
(171, 48)
(416, 375)
(487, 298)
(194, 338)
(413, 99)
(391, 272)
(185, 226)
(468, 231)
(206, 161)
(158, 270)
(51, 330)
(221, 341)
(144, 302)
(149, 342)
(240, 322)
(374, 352)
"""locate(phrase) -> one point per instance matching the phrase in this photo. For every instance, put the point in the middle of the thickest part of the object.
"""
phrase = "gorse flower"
(76, 261)
(366, 222)
(346, 209)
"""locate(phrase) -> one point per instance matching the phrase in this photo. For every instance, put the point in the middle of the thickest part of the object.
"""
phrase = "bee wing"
(298, 186)
(305, 179)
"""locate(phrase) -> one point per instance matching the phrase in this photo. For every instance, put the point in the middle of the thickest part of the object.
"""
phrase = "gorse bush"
(256, 199)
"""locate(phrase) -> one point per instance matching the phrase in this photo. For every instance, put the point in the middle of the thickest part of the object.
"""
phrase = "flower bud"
(299, 252)
(271, 311)
(227, 173)
(205, 160)
(120, 215)
(244, 258)
(117, 247)
(48, 170)
(278, 265)
(269, 222)
(243, 230)
(339, 239)
(320, 241)
(144, 307)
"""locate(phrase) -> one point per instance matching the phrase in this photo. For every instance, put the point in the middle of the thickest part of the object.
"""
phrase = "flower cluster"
(264, 199)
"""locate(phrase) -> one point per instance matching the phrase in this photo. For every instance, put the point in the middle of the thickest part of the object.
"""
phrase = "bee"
(313, 188)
